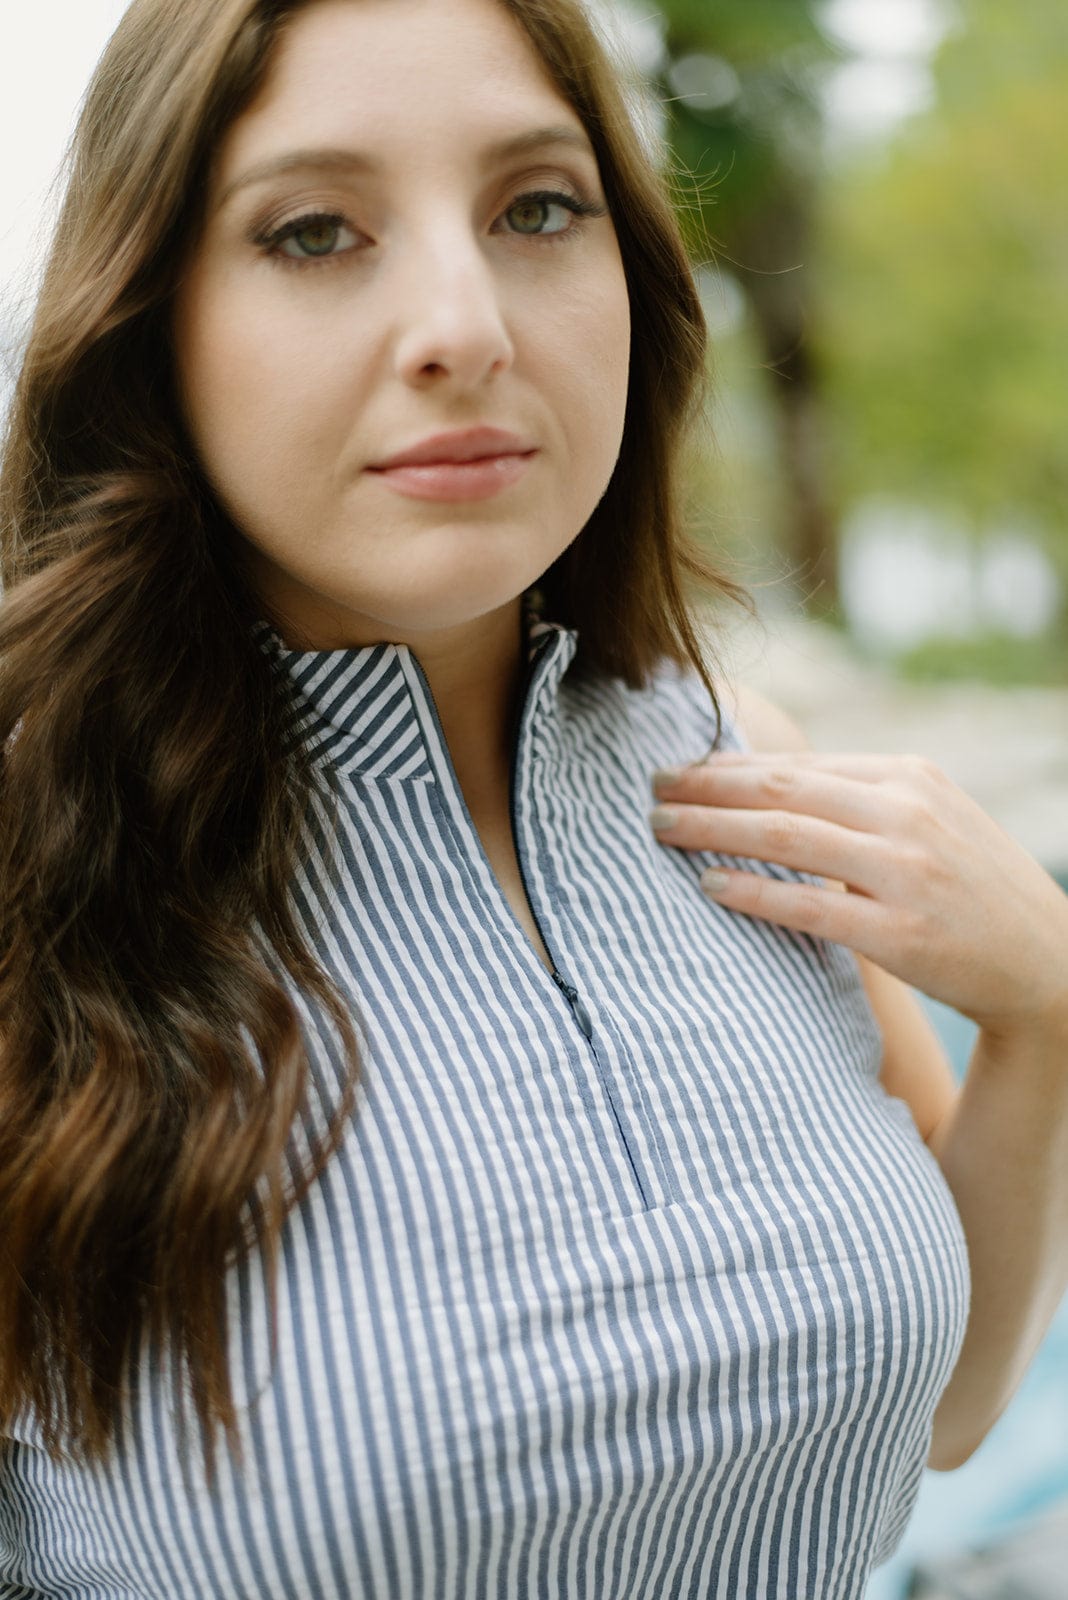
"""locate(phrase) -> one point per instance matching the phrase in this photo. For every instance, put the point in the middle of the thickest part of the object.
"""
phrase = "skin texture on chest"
(494, 829)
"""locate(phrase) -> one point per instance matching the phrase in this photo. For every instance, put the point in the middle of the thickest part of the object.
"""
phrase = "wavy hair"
(153, 1063)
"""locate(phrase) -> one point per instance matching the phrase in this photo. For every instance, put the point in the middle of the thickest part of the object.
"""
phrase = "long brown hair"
(153, 1065)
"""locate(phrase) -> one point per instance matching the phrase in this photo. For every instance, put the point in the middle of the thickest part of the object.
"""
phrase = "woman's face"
(396, 249)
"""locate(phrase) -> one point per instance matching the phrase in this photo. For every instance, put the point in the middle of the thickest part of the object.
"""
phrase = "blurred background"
(874, 192)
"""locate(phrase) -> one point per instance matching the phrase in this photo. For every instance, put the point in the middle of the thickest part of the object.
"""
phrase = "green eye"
(530, 213)
(312, 237)
(316, 238)
(530, 216)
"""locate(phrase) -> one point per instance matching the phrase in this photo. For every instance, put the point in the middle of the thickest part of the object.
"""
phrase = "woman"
(345, 632)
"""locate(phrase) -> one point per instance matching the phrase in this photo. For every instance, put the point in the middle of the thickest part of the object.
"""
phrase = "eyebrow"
(333, 159)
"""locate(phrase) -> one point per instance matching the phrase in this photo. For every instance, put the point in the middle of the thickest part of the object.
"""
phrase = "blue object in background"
(1021, 1468)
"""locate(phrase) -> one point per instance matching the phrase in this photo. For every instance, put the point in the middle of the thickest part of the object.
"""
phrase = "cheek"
(595, 368)
(254, 393)
(601, 331)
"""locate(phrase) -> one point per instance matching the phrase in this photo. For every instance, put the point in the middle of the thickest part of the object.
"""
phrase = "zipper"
(582, 1016)
(571, 995)
(578, 1010)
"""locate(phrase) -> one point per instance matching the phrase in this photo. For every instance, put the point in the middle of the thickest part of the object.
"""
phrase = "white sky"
(47, 53)
(888, 76)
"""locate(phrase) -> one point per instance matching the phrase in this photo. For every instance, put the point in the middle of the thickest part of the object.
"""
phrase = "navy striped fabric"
(628, 1283)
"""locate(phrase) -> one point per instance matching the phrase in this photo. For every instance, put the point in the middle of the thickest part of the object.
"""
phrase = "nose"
(450, 315)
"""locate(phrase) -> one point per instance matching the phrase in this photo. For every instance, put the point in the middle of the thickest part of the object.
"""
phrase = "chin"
(473, 587)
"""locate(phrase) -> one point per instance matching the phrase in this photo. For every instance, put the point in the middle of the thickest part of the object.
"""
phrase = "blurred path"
(1006, 747)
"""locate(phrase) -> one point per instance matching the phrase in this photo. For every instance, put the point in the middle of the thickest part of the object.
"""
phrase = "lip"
(469, 444)
(454, 482)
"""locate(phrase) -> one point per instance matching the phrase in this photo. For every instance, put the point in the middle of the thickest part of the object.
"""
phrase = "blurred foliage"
(746, 128)
(741, 96)
(1000, 658)
(906, 335)
(944, 286)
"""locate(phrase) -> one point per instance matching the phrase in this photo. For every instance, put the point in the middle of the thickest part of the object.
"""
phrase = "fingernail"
(662, 817)
(714, 881)
(666, 778)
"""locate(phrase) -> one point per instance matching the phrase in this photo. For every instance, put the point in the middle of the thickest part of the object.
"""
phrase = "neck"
(475, 675)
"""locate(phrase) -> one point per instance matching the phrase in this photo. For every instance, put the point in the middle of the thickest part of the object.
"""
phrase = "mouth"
(458, 448)
(478, 478)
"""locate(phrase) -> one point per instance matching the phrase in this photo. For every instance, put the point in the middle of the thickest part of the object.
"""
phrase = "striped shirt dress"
(628, 1282)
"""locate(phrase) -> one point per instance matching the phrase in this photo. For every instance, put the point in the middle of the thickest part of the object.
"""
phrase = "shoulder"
(756, 722)
(760, 723)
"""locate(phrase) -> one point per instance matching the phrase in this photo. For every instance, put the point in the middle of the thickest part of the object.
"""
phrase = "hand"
(939, 894)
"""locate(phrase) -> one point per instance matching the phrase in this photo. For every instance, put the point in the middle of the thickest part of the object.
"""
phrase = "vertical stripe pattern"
(629, 1281)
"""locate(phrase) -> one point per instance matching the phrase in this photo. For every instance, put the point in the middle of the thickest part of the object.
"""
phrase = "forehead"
(397, 76)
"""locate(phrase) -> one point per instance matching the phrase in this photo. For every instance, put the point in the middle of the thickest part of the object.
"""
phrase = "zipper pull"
(582, 1016)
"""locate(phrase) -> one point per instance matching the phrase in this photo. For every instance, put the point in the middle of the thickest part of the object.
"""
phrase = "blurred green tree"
(741, 96)
(944, 287)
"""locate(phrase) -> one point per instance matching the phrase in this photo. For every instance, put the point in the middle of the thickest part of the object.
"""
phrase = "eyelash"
(270, 240)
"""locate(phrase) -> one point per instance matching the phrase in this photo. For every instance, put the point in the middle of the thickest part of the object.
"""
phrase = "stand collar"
(369, 709)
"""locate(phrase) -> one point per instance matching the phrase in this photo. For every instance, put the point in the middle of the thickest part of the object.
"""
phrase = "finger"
(863, 766)
(778, 785)
(860, 923)
(804, 843)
